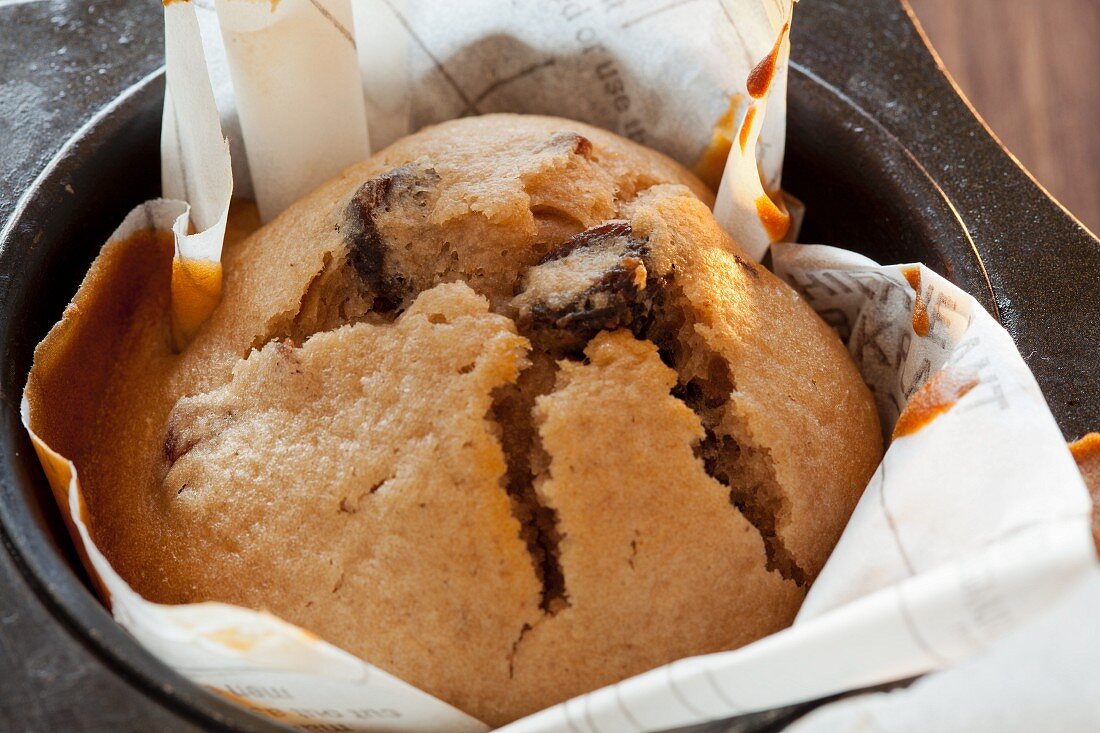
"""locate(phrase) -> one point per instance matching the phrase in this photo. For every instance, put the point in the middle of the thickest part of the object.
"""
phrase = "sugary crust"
(417, 473)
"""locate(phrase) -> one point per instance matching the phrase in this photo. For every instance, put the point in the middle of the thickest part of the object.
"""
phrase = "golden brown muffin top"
(500, 410)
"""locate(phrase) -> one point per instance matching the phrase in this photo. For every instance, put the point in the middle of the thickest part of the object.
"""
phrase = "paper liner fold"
(1040, 677)
(195, 168)
(298, 93)
(749, 204)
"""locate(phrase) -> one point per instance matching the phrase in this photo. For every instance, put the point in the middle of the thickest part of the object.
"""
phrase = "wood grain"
(1031, 70)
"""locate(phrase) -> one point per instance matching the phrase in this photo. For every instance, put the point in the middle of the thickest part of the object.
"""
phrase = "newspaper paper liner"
(941, 556)
(1040, 677)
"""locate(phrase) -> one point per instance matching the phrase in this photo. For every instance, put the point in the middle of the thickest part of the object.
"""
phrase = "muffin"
(500, 410)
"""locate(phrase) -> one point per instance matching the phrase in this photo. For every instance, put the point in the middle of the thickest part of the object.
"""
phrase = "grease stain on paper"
(938, 395)
(921, 322)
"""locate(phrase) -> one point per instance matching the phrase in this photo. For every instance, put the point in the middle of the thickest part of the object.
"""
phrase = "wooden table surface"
(1030, 68)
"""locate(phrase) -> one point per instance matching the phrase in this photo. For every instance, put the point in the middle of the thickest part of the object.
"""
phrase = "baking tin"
(888, 158)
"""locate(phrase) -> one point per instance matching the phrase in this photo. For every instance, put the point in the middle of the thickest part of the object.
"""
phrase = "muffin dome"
(501, 410)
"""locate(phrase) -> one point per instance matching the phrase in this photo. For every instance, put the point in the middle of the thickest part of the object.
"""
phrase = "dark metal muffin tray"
(888, 158)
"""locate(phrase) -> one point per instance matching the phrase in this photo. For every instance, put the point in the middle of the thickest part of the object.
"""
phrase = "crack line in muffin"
(604, 278)
(705, 384)
(512, 413)
(333, 297)
(281, 326)
(515, 649)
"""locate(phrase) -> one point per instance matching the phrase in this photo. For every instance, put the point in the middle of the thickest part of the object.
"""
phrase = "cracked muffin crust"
(500, 410)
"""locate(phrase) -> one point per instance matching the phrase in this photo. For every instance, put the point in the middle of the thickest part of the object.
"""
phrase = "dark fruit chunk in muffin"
(377, 258)
(599, 279)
